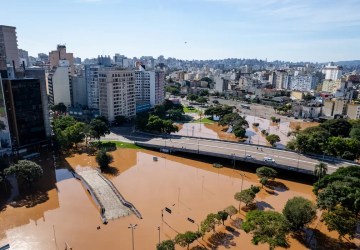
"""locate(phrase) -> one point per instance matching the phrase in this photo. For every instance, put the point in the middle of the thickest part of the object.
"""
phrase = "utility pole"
(132, 234)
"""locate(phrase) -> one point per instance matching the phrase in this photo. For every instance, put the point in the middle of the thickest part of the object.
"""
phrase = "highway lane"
(281, 157)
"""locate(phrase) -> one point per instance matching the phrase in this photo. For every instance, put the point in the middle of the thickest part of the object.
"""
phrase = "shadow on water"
(277, 186)
(112, 171)
(262, 205)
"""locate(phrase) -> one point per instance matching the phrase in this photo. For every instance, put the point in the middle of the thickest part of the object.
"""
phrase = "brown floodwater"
(190, 188)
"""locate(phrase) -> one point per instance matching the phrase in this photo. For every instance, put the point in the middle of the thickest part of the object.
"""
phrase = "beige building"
(117, 93)
(60, 85)
(334, 107)
(59, 54)
(353, 111)
(331, 86)
(8, 47)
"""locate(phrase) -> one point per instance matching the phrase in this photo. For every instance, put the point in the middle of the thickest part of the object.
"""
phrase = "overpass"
(284, 159)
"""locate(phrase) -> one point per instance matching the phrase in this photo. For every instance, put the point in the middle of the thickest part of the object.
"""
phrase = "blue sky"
(307, 30)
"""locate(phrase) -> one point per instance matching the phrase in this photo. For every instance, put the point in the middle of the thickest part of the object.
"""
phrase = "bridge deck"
(109, 200)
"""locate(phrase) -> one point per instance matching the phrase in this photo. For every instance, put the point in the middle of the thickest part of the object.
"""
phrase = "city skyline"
(318, 31)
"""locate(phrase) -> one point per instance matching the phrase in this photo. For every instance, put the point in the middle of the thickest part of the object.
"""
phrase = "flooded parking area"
(64, 214)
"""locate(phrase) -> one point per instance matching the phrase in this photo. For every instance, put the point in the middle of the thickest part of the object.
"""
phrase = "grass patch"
(120, 144)
(204, 120)
(190, 109)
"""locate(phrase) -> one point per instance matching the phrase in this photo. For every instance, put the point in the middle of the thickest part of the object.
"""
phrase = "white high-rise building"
(149, 86)
(60, 84)
(332, 72)
(117, 93)
(303, 82)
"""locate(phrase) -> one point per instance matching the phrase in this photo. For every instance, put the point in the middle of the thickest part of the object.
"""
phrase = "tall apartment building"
(331, 86)
(79, 90)
(60, 54)
(303, 82)
(159, 87)
(332, 72)
(25, 111)
(8, 48)
(144, 86)
(60, 84)
(117, 93)
(221, 84)
(92, 85)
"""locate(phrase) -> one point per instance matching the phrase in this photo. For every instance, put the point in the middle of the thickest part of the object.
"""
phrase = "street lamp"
(193, 221)
(132, 234)
(158, 228)
(242, 182)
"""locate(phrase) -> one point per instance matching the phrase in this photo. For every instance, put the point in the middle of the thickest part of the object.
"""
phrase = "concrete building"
(79, 90)
(117, 93)
(24, 57)
(331, 86)
(8, 48)
(221, 84)
(60, 54)
(60, 84)
(144, 86)
(104, 61)
(335, 107)
(303, 82)
(25, 112)
(353, 111)
(92, 85)
(332, 72)
(159, 88)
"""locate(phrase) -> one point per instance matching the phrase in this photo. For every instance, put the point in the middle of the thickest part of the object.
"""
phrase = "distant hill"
(348, 63)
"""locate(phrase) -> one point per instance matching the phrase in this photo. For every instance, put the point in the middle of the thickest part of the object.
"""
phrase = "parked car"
(268, 159)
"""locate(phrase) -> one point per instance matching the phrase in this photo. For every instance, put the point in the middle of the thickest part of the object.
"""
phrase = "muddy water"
(189, 188)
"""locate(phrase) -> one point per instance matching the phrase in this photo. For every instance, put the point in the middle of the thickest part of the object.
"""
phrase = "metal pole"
(158, 228)
(242, 181)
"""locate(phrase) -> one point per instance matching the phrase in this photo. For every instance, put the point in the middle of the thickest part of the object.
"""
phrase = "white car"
(248, 156)
(268, 159)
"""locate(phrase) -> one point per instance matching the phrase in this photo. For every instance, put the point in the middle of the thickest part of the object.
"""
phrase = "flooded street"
(64, 212)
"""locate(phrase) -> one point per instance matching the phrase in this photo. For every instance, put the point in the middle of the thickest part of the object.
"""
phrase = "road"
(283, 159)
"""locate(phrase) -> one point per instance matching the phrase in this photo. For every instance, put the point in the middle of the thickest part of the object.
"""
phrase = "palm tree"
(320, 170)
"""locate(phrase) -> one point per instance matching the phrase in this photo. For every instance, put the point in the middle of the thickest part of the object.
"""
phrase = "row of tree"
(338, 137)
(160, 120)
(69, 132)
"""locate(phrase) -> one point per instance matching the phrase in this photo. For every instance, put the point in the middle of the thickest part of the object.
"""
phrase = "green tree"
(267, 227)
(266, 172)
(27, 171)
(201, 99)
(192, 97)
(355, 133)
(299, 212)
(341, 220)
(166, 245)
(231, 210)
(239, 132)
(337, 127)
(312, 140)
(247, 196)
(272, 139)
(320, 170)
(60, 107)
(186, 238)
(219, 110)
(263, 181)
(209, 223)
(222, 215)
(75, 133)
(98, 128)
(103, 159)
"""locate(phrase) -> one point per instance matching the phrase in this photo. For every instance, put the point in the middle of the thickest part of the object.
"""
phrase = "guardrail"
(228, 156)
(121, 198)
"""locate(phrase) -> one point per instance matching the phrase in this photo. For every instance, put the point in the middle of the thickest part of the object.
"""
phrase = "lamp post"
(132, 234)
(193, 221)
(158, 228)
(242, 182)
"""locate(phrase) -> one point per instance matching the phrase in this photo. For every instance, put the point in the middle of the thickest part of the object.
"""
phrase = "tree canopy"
(25, 170)
(266, 172)
(103, 159)
(272, 139)
(231, 210)
(166, 245)
(267, 227)
(209, 223)
(342, 221)
(299, 212)
(186, 238)
(337, 127)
